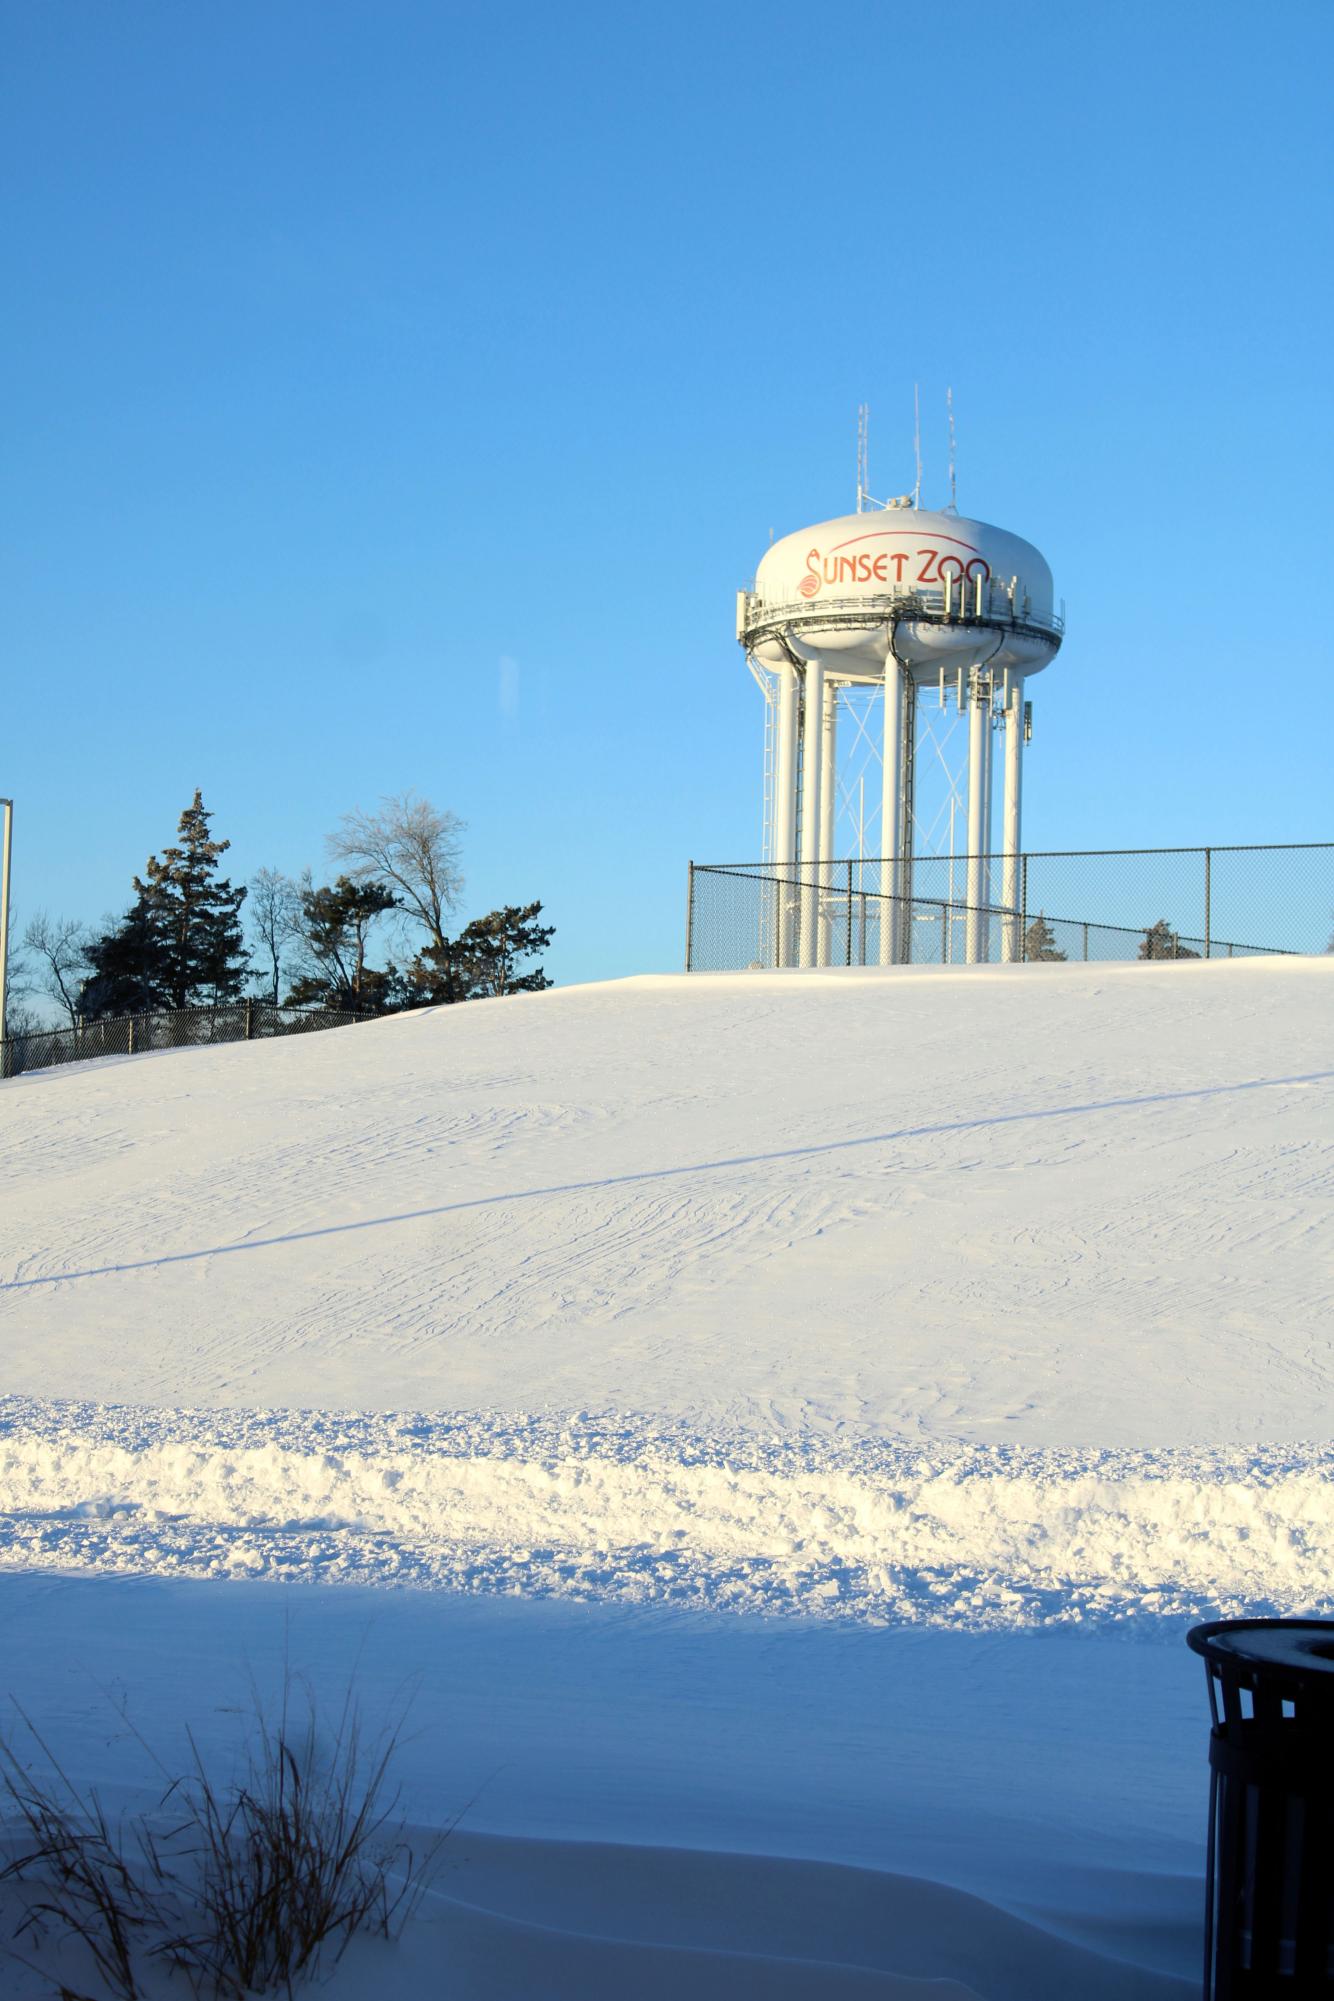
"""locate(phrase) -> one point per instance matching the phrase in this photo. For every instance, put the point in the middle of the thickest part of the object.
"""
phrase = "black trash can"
(1269, 1912)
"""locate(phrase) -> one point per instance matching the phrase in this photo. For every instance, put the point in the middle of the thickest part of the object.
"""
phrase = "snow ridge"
(605, 1506)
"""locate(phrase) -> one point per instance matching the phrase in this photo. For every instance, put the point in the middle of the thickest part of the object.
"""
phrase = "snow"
(1050, 1204)
(958, 1535)
(791, 1793)
(798, 1415)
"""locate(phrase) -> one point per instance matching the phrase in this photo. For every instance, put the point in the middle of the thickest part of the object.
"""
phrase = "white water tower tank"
(907, 599)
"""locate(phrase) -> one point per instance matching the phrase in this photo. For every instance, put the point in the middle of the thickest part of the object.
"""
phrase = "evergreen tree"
(127, 971)
(197, 914)
(336, 922)
(1040, 941)
(1160, 941)
(483, 961)
(179, 945)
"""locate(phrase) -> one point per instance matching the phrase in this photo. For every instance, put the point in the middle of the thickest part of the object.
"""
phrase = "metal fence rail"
(1140, 903)
(175, 1028)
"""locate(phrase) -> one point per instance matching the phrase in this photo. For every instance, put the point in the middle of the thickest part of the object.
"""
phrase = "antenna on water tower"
(863, 455)
(917, 443)
(954, 493)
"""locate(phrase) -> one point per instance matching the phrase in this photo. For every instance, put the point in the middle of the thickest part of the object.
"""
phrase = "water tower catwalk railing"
(981, 601)
(1127, 904)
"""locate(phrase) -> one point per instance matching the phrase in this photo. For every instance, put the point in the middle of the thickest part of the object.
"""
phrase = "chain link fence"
(1134, 903)
(175, 1028)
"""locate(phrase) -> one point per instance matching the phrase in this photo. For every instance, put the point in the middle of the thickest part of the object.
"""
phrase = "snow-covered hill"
(1048, 1205)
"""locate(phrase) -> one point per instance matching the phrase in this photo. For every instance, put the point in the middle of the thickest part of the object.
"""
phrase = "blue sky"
(397, 393)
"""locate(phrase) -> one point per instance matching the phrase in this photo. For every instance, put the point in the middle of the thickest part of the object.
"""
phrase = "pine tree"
(336, 923)
(127, 973)
(1040, 941)
(197, 915)
(483, 961)
(179, 944)
(1160, 941)
(497, 942)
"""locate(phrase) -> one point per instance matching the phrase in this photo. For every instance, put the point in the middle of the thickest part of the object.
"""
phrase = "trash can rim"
(1287, 1653)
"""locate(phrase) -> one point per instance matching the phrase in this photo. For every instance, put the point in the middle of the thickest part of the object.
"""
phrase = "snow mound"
(955, 1535)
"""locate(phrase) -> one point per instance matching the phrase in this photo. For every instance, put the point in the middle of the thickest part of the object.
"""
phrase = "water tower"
(927, 613)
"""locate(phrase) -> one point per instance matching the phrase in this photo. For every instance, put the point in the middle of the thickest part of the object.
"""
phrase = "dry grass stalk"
(247, 1889)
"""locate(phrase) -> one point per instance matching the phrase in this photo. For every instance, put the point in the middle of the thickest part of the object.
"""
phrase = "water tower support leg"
(1012, 833)
(828, 763)
(785, 806)
(891, 813)
(988, 818)
(978, 730)
(810, 807)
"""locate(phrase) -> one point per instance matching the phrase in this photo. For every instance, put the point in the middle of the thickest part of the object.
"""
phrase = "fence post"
(1086, 944)
(129, 1040)
(1023, 901)
(848, 953)
(1208, 897)
(249, 1020)
(690, 914)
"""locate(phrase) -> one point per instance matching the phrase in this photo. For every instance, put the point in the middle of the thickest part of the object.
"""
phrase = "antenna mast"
(917, 442)
(954, 495)
(863, 455)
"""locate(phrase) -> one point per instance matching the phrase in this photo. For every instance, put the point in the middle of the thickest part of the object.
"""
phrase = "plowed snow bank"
(946, 1535)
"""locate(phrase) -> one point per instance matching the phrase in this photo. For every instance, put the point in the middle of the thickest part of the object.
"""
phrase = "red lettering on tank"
(924, 575)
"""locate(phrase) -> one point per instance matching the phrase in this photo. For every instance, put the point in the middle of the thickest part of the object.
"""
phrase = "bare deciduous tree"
(410, 849)
(274, 908)
(58, 954)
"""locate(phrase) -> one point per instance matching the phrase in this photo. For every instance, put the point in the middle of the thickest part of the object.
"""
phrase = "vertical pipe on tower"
(812, 731)
(828, 763)
(891, 812)
(785, 806)
(978, 719)
(1012, 835)
(988, 836)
